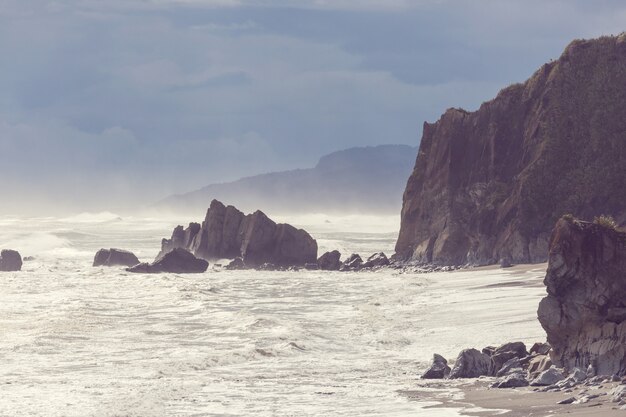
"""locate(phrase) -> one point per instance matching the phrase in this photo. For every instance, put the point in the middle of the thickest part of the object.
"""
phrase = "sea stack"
(228, 233)
(490, 184)
(584, 313)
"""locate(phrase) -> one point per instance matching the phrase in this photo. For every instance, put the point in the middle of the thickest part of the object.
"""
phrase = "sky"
(114, 104)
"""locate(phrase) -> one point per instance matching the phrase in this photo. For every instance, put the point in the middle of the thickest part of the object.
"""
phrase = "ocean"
(82, 341)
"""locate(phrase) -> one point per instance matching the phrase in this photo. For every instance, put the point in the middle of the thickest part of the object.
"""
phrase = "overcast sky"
(120, 102)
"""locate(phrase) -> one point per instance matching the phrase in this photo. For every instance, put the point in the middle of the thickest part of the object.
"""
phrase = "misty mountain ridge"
(355, 180)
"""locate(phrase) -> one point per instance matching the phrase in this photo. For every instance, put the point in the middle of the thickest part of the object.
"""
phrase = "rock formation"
(584, 313)
(471, 363)
(178, 261)
(10, 260)
(228, 233)
(113, 257)
(439, 368)
(330, 261)
(490, 184)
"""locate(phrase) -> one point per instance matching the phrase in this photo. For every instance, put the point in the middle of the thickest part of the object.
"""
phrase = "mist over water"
(84, 341)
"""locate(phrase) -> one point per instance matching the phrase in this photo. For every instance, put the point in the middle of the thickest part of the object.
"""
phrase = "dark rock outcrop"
(113, 257)
(10, 260)
(236, 264)
(584, 313)
(490, 184)
(376, 260)
(228, 233)
(354, 262)
(439, 368)
(330, 261)
(507, 352)
(178, 261)
(471, 363)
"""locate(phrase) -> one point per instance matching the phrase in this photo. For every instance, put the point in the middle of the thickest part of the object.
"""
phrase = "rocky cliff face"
(490, 184)
(584, 314)
(228, 233)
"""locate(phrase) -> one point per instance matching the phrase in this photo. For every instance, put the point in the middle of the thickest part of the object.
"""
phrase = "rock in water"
(330, 261)
(10, 260)
(490, 184)
(584, 313)
(354, 262)
(471, 363)
(439, 368)
(236, 264)
(228, 233)
(376, 260)
(113, 257)
(178, 261)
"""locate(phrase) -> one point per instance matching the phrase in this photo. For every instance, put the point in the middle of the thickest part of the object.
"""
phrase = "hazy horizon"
(113, 106)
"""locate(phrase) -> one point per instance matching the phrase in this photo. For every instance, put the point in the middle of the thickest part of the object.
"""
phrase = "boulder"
(10, 260)
(228, 233)
(548, 377)
(509, 366)
(376, 260)
(330, 261)
(471, 363)
(540, 348)
(537, 365)
(236, 264)
(439, 368)
(115, 257)
(178, 261)
(353, 262)
(513, 380)
(584, 313)
(506, 352)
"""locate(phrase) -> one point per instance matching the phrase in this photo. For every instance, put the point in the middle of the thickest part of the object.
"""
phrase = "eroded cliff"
(490, 184)
(584, 313)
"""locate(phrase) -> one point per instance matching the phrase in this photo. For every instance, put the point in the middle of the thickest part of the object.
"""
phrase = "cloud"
(128, 101)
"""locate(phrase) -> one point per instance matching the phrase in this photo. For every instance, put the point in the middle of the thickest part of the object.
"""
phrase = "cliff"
(584, 313)
(490, 184)
(366, 179)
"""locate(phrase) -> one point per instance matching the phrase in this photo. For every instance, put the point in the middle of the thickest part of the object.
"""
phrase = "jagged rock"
(538, 364)
(548, 377)
(439, 368)
(178, 261)
(330, 261)
(489, 350)
(376, 260)
(509, 366)
(618, 393)
(507, 352)
(181, 238)
(236, 264)
(228, 233)
(512, 380)
(10, 260)
(353, 262)
(584, 313)
(491, 183)
(115, 257)
(471, 364)
(540, 348)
